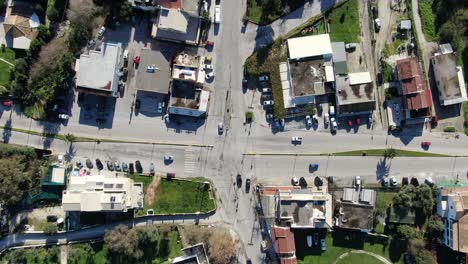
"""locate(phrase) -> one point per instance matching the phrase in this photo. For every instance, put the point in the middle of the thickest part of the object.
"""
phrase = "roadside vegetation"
(465, 115)
(8, 55)
(427, 19)
(266, 11)
(166, 196)
(50, 255)
(382, 152)
(344, 22)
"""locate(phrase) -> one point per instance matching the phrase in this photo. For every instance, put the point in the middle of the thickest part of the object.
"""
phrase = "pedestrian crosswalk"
(191, 163)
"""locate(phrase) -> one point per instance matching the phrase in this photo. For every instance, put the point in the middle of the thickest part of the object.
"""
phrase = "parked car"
(266, 97)
(313, 167)
(334, 124)
(393, 181)
(64, 116)
(167, 119)
(404, 181)
(326, 119)
(426, 144)
(247, 185)
(308, 120)
(303, 182)
(316, 239)
(131, 168)
(268, 103)
(7, 103)
(99, 164)
(124, 167)
(89, 164)
(138, 167)
(384, 182)
(323, 246)
(351, 46)
(209, 43)
(263, 78)
(209, 75)
(357, 181)
(239, 180)
(217, 14)
(137, 104)
(378, 24)
(208, 67)
(315, 119)
(151, 169)
(296, 139)
(318, 181)
(101, 32)
(117, 166)
(78, 163)
(331, 110)
(358, 120)
(429, 181)
(160, 107)
(168, 158)
(220, 128)
(295, 181)
(266, 90)
(125, 55)
(414, 181)
(110, 165)
(309, 241)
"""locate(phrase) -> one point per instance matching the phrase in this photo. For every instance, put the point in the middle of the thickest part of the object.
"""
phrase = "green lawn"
(340, 245)
(260, 12)
(380, 152)
(427, 19)
(177, 196)
(344, 22)
(383, 200)
(5, 68)
(359, 258)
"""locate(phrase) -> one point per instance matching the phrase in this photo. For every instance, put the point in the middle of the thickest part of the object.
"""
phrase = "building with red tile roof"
(283, 240)
(407, 68)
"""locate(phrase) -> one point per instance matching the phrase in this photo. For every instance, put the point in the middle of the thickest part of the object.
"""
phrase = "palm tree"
(70, 138)
(390, 153)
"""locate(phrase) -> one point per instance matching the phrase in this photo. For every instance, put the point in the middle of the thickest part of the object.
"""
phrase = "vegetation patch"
(8, 55)
(387, 70)
(344, 22)
(450, 129)
(175, 196)
(381, 152)
(266, 11)
(383, 201)
(359, 258)
(32, 256)
(427, 19)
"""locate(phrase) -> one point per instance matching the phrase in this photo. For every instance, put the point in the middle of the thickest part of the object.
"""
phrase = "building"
(339, 58)
(355, 94)
(98, 70)
(177, 21)
(19, 26)
(452, 206)
(417, 97)
(101, 193)
(304, 208)
(448, 76)
(404, 25)
(283, 242)
(356, 209)
(195, 254)
(308, 72)
(154, 73)
(188, 98)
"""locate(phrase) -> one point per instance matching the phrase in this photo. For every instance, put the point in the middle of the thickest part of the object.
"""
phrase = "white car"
(263, 78)
(160, 107)
(296, 139)
(60, 159)
(315, 118)
(209, 75)
(266, 90)
(125, 54)
(326, 119)
(334, 124)
(217, 14)
(220, 127)
(269, 102)
(101, 32)
(64, 116)
(393, 181)
(309, 241)
(323, 245)
(308, 120)
(295, 181)
(357, 181)
(378, 24)
(208, 67)
(332, 110)
(168, 158)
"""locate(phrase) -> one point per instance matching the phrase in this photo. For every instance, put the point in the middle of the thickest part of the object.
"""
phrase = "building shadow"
(326, 5)
(185, 124)
(264, 37)
(6, 135)
(97, 111)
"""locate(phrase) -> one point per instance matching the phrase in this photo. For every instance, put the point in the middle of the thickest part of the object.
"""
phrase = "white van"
(332, 110)
(125, 54)
(217, 14)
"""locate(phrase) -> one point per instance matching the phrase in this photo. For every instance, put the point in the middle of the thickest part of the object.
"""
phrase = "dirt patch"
(152, 190)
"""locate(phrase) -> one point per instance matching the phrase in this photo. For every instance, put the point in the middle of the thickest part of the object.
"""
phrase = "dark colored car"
(99, 164)
(247, 185)
(303, 182)
(131, 168)
(414, 182)
(318, 181)
(110, 165)
(137, 104)
(124, 167)
(239, 180)
(138, 167)
(89, 164)
(404, 181)
(52, 218)
(151, 169)
(313, 167)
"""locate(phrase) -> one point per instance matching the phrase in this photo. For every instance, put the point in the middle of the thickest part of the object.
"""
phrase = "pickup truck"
(217, 14)
(296, 139)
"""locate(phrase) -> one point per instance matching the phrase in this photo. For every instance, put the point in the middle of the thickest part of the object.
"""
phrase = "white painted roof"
(309, 46)
(329, 75)
(359, 78)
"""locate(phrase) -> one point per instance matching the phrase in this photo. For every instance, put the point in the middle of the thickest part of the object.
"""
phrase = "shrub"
(387, 71)
(249, 116)
(53, 14)
(50, 228)
(450, 129)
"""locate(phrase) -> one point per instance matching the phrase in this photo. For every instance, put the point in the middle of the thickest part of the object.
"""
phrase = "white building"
(448, 76)
(102, 193)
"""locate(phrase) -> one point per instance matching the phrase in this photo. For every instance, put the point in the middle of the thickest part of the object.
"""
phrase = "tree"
(222, 246)
(50, 228)
(81, 253)
(406, 232)
(402, 201)
(390, 153)
(52, 14)
(126, 11)
(70, 138)
(124, 242)
(424, 201)
(435, 228)
(15, 179)
(419, 253)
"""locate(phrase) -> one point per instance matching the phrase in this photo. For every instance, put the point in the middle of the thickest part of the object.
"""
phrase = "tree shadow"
(7, 131)
(383, 169)
(265, 36)
(71, 152)
(396, 249)
(48, 132)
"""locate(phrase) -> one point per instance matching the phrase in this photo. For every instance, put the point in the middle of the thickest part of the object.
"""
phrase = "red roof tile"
(283, 239)
(407, 68)
(292, 260)
(176, 4)
(419, 100)
(413, 85)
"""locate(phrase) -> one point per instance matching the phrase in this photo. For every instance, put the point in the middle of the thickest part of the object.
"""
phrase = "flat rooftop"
(356, 216)
(352, 94)
(310, 46)
(309, 77)
(184, 94)
(449, 78)
(153, 72)
(98, 69)
(176, 25)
